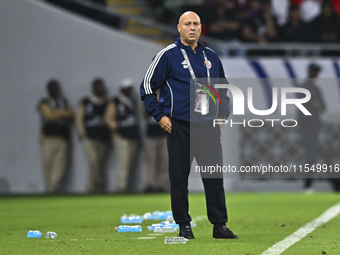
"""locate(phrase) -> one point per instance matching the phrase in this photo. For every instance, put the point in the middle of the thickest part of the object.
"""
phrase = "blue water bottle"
(170, 224)
(153, 226)
(132, 218)
(164, 215)
(34, 234)
(158, 215)
(126, 228)
(150, 216)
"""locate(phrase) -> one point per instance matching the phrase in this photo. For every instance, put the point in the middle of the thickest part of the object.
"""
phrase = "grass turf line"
(85, 224)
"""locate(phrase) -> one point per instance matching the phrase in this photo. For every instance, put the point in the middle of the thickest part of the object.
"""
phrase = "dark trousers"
(202, 142)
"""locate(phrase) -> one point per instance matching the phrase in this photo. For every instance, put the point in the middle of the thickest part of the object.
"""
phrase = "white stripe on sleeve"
(151, 70)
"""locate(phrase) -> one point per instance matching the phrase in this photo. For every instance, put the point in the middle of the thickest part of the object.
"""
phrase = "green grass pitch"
(85, 224)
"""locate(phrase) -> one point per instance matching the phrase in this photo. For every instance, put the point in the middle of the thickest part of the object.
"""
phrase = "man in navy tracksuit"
(190, 131)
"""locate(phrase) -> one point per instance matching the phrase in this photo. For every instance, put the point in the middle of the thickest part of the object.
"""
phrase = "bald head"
(189, 28)
(188, 14)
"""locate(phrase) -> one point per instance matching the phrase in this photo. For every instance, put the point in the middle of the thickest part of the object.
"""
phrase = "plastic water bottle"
(165, 229)
(51, 235)
(169, 224)
(149, 216)
(163, 224)
(169, 218)
(158, 215)
(164, 215)
(125, 228)
(34, 234)
(132, 218)
(153, 226)
(176, 239)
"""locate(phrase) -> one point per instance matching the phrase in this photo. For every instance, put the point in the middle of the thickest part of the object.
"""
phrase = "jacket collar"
(200, 46)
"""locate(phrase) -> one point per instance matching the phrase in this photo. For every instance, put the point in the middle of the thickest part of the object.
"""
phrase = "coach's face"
(189, 27)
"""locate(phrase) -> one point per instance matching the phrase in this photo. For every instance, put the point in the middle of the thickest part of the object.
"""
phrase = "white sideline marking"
(145, 237)
(281, 246)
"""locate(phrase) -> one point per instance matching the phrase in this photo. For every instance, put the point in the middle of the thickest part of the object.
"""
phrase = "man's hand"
(165, 123)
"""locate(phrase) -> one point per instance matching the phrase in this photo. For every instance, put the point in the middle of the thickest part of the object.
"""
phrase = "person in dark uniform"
(95, 134)
(57, 116)
(190, 132)
(122, 118)
(310, 124)
(156, 156)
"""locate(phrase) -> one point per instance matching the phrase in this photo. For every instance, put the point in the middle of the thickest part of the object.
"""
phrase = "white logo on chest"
(185, 64)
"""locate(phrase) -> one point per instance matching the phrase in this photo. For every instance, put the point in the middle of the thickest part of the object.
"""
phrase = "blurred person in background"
(327, 25)
(310, 125)
(254, 8)
(280, 9)
(121, 116)
(172, 8)
(310, 9)
(243, 7)
(95, 134)
(261, 25)
(223, 24)
(156, 156)
(56, 115)
(157, 10)
(296, 2)
(336, 6)
(295, 30)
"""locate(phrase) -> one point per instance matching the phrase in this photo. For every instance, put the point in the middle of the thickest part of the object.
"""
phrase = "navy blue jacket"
(168, 72)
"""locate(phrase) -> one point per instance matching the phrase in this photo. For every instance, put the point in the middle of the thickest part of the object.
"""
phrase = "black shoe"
(224, 233)
(186, 232)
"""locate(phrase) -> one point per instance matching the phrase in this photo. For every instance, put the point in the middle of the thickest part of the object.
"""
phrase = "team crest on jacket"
(209, 64)
(185, 64)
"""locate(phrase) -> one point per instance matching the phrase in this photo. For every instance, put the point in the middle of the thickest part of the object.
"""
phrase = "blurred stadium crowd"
(259, 20)
(299, 21)
(231, 27)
